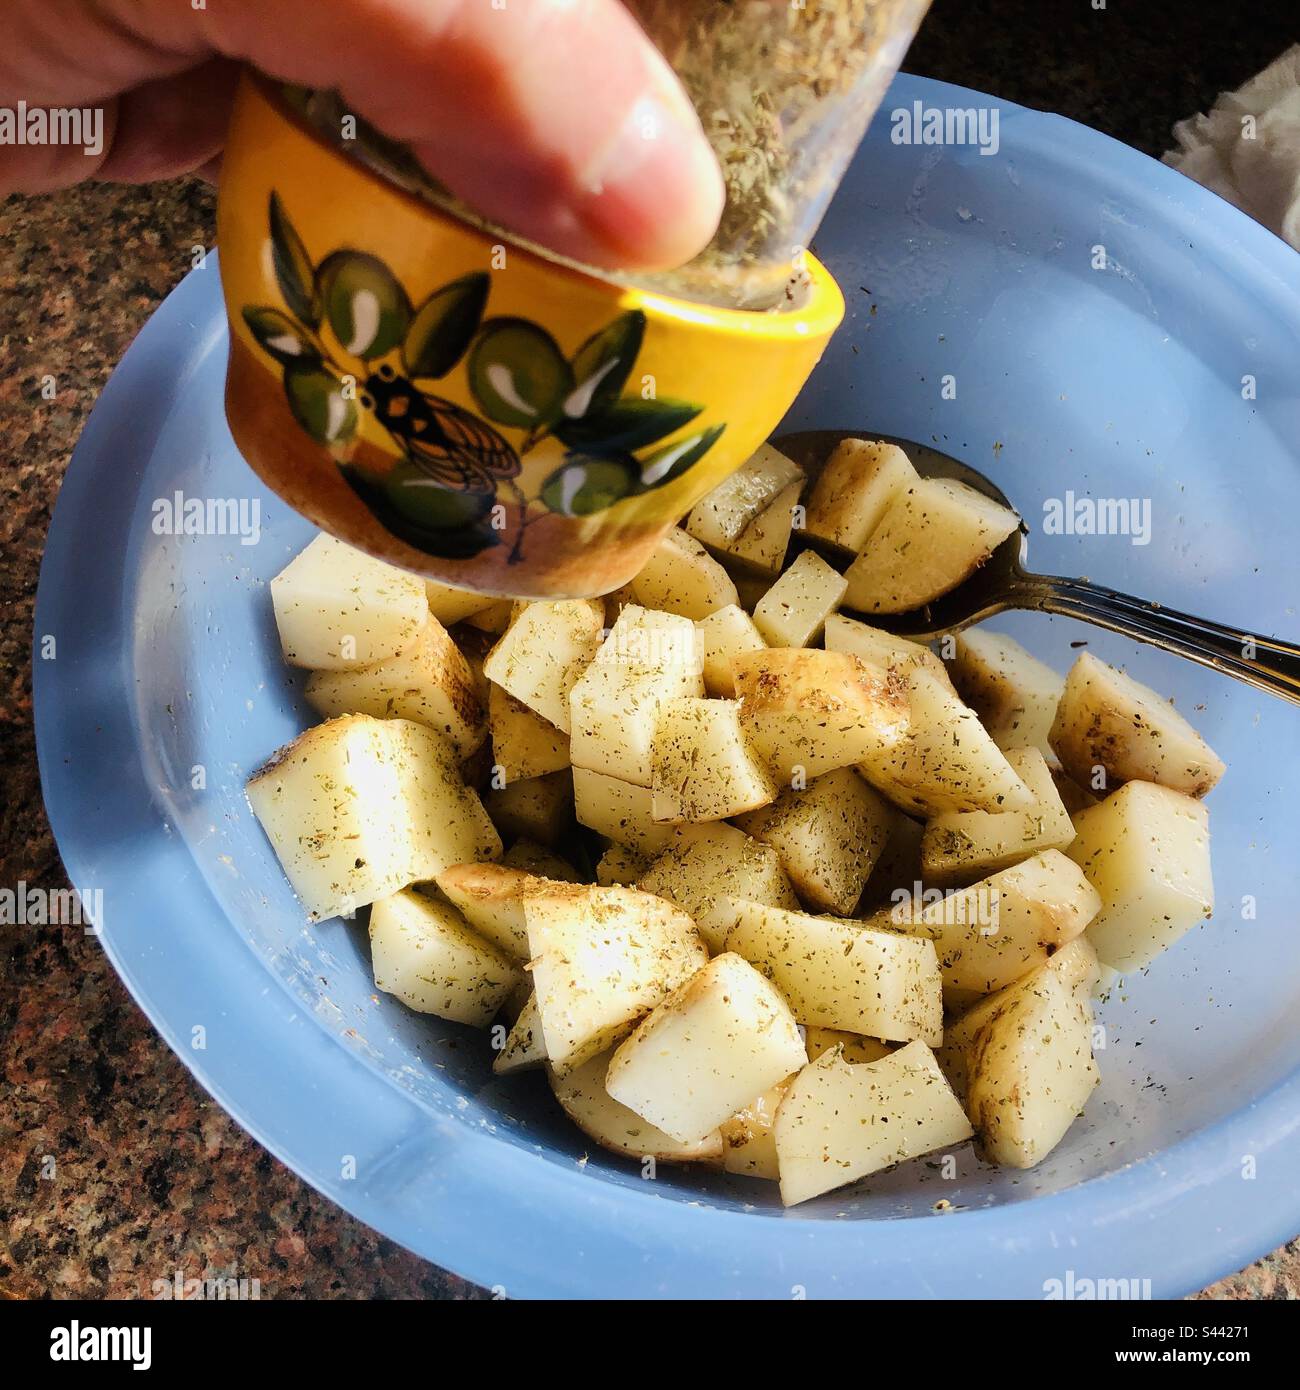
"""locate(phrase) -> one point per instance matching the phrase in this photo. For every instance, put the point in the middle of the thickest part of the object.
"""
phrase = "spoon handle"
(1263, 662)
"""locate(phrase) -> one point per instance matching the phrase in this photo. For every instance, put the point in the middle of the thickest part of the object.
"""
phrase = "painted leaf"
(366, 307)
(601, 366)
(279, 335)
(670, 462)
(518, 375)
(444, 325)
(627, 424)
(318, 403)
(293, 268)
(583, 485)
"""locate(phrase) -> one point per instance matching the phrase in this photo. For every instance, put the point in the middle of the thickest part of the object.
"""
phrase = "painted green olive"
(518, 375)
(319, 404)
(582, 485)
(366, 307)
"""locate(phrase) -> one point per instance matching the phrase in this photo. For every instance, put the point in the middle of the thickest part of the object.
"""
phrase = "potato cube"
(840, 974)
(1031, 1071)
(707, 866)
(358, 808)
(544, 651)
(947, 762)
(995, 931)
(858, 482)
(337, 608)
(794, 610)
(708, 1049)
(682, 577)
(491, 899)
(621, 811)
(621, 865)
(495, 618)
(1146, 851)
(600, 960)
(1110, 721)
(538, 808)
(840, 1122)
(523, 743)
(533, 858)
(750, 515)
(423, 952)
(524, 1048)
(647, 660)
(880, 649)
(854, 1047)
(451, 605)
(809, 712)
(430, 682)
(725, 635)
(828, 837)
(959, 846)
(584, 1099)
(702, 767)
(932, 535)
(1014, 694)
(749, 1137)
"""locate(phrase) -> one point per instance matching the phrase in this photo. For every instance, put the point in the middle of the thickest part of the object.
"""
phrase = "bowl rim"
(818, 316)
(453, 1193)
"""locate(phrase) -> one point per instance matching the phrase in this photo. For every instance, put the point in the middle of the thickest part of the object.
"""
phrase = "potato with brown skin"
(880, 649)
(491, 899)
(1106, 720)
(808, 712)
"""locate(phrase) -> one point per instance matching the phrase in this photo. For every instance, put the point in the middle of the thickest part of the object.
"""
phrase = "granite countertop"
(149, 1174)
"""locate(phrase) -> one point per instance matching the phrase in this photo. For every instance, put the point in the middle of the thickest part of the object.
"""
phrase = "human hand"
(556, 118)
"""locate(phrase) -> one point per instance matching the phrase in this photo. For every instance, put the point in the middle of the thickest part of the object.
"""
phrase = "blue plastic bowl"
(1121, 382)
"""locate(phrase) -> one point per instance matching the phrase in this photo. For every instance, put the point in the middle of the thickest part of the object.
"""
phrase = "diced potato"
(725, 635)
(809, 712)
(879, 648)
(423, 952)
(840, 1122)
(707, 866)
(533, 858)
(930, 538)
(525, 1047)
(1108, 720)
(621, 811)
(1014, 694)
(1146, 851)
(1075, 965)
(544, 651)
(621, 865)
(899, 865)
(682, 577)
(451, 605)
(430, 682)
(959, 846)
(840, 974)
(794, 610)
(539, 808)
(859, 481)
(358, 808)
(602, 959)
(495, 618)
(1031, 1071)
(523, 743)
(337, 608)
(647, 660)
(827, 837)
(749, 515)
(715, 1043)
(855, 1048)
(947, 762)
(749, 1138)
(491, 899)
(702, 767)
(995, 931)
(582, 1094)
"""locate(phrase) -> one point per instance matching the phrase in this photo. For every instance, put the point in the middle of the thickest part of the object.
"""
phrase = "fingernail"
(655, 193)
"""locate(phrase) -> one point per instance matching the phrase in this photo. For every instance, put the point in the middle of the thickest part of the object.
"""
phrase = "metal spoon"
(1003, 582)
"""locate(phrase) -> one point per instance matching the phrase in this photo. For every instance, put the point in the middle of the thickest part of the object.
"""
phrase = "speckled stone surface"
(116, 1169)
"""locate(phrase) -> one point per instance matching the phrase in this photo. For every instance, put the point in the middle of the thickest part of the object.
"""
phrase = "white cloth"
(1247, 149)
